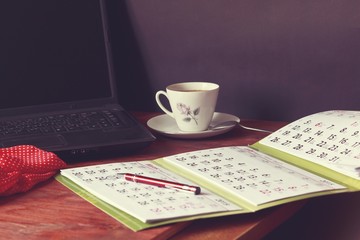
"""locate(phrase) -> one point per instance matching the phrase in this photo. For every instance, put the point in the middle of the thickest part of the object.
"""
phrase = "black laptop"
(58, 88)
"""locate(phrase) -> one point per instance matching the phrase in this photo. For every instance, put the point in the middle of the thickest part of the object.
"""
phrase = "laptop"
(58, 87)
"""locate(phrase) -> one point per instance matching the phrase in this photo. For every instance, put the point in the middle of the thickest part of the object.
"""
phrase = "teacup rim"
(175, 86)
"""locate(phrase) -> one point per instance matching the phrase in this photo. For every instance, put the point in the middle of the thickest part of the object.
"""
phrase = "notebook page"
(331, 139)
(249, 174)
(145, 202)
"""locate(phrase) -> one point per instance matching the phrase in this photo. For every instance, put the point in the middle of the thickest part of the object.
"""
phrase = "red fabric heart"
(22, 167)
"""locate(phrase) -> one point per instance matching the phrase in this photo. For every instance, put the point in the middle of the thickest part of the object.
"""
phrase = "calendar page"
(331, 139)
(246, 174)
(145, 202)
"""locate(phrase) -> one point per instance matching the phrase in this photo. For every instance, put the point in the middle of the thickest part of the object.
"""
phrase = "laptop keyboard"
(60, 123)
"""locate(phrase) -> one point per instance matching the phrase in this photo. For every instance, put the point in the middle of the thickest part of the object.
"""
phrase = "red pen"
(161, 183)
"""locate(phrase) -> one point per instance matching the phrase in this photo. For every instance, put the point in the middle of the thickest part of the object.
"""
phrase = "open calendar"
(313, 156)
(320, 142)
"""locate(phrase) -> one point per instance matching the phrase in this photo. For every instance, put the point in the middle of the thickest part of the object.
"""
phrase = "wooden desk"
(51, 211)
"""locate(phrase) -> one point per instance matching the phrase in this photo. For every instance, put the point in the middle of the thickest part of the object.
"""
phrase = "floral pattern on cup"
(186, 110)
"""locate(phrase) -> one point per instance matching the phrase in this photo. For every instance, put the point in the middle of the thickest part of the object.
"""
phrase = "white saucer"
(166, 125)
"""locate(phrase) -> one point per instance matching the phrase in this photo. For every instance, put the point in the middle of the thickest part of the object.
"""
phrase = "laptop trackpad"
(44, 141)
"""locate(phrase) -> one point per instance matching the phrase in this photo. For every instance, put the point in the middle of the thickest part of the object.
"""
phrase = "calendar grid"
(331, 139)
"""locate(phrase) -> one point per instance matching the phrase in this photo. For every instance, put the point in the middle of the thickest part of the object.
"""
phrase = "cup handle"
(157, 98)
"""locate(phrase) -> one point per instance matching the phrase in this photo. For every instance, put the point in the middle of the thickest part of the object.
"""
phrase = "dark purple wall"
(276, 60)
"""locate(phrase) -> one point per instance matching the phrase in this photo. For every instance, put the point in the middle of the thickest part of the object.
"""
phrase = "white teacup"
(192, 104)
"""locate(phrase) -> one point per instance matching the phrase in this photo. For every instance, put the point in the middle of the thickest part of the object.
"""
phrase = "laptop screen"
(52, 51)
